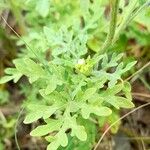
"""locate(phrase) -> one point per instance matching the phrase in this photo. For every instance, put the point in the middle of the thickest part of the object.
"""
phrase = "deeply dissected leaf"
(77, 130)
(127, 90)
(29, 68)
(124, 102)
(39, 111)
(129, 66)
(86, 110)
(114, 90)
(63, 139)
(119, 102)
(53, 145)
(53, 125)
(5, 79)
(13, 74)
(83, 145)
(88, 93)
(78, 88)
(51, 87)
(80, 133)
(33, 117)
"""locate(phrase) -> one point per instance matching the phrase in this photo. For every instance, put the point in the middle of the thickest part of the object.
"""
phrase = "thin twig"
(135, 138)
(142, 142)
(146, 84)
(141, 94)
(11, 27)
(6, 14)
(130, 112)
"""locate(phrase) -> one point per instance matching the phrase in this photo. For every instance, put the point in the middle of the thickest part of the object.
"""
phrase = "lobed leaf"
(53, 125)
(39, 111)
(86, 110)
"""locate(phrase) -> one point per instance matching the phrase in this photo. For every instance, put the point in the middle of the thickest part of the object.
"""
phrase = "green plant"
(4, 97)
(68, 95)
(73, 84)
(6, 129)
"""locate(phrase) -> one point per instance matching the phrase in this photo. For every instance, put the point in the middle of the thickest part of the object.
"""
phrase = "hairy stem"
(134, 14)
(131, 14)
(112, 27)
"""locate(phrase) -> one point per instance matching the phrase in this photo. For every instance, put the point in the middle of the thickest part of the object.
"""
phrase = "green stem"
(112, 27)
(134, 14)
(128, 18)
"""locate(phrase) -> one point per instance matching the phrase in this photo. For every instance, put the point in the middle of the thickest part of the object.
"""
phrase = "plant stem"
(112, 27)
(134, 14)
(129, 16)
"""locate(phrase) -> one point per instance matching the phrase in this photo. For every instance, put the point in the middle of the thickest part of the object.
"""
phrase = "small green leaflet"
(62, 138)
(88, 93)
(53, 145)
(5, 79)
(119, 102)
(114, 90)
(12, 74)
(129, 66)
(77, 130)
(29, 68)
(127, 90)
(51, 86)
(124, 102)
(86, 110)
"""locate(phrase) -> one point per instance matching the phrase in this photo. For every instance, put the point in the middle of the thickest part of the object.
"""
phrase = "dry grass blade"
(27, 45)
(16, 125)
(141, 94)
(144, 105)
(10, 27)
(146, 65)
